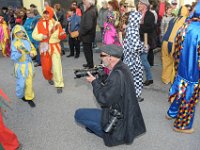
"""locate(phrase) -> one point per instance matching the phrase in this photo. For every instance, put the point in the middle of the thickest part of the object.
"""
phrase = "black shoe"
(31, 103)
(59, 90)
(36, 65)
(85, 65)
(51, 82)
(23, 98)
(76, 56)
(148, 82)
(70, 55)
(140, 99)
(63, 52)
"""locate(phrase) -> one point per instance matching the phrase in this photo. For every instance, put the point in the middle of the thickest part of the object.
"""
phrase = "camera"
(115, 116)
(98, 70)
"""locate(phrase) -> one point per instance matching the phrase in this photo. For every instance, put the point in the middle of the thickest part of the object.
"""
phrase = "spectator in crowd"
(102, 16)
(33, 7)
(87, 31)
(174, 7)
(50, 50)
(78, 10)
(165, 20)
(11, 18)
(119, 121)
(184, 92)
(123, 20)
(4, 37)
(73, 26)
(36, 18)
(28, 25)
(147, 25)
(22, 53)
(168, 45)
(60, 16)
(5, 14)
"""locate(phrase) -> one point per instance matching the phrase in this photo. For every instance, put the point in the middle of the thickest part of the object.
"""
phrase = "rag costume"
(50, 49)
(8, 139)
(110, 35)
(133, 47)
(184, 93)
(24, 69)
(168, 43)
(4, 37)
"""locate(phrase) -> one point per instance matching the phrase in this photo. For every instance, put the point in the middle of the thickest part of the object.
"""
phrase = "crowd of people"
(129, 35)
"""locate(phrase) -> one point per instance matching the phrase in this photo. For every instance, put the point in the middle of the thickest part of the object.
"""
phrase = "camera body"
(79, 73)
(115, 116)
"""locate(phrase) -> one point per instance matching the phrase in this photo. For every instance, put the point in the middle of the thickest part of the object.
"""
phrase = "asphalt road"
(51, 126)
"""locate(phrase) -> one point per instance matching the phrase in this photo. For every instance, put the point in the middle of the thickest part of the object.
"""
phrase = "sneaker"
(31, 103)
(76, 56)
(59, 90)
(148, 82)
(51, 82)
(140, 99)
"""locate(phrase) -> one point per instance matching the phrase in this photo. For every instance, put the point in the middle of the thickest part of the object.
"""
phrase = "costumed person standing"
(133, 48)
(168, 45)
(8, 139)
(110, 35)
(184, 92)
(4, 37)
(22, 53)
(49, 32)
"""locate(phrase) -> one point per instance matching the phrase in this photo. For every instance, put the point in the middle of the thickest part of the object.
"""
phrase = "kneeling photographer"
(120, 119)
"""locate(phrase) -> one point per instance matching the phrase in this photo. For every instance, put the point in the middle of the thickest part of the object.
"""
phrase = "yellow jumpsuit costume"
(24, 69)
(51, 50)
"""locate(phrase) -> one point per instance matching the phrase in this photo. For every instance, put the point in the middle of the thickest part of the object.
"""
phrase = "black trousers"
(87, 49)
(150, 57)
(74, 43)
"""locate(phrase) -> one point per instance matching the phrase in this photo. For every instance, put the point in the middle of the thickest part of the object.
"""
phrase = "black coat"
(149, 28)
(118, 92)
(88, 23)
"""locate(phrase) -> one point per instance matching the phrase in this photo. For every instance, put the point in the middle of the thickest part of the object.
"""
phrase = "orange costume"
(49, 32)
(8, 139)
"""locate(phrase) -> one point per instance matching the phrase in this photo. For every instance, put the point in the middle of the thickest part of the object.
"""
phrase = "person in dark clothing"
(87, 31)
(117, 98)
(147, 25)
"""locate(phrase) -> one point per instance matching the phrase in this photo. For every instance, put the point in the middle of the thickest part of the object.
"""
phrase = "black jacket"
(88, 23)
(149, 28)
(118, 92)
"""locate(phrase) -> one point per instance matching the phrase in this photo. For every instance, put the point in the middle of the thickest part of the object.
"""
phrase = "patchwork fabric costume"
(133, 47)
(168, 45)
(4, 37)
(24, 69)
(184, 93)
(110, 35)
(50, 49)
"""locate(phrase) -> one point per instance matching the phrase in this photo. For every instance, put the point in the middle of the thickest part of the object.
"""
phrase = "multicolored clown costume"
(184, 93)
(49, 32)
(4, 37)
(168, 45)
(22, 53)
(8, 139)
